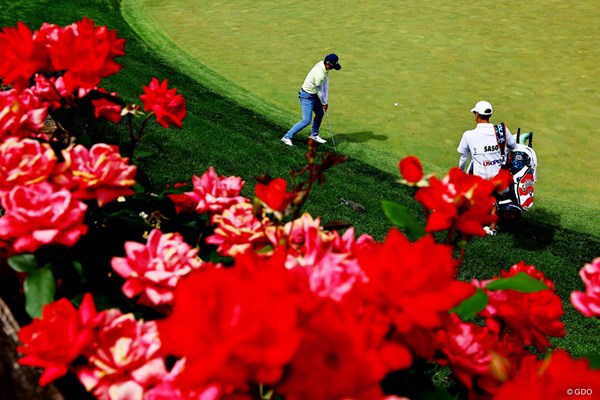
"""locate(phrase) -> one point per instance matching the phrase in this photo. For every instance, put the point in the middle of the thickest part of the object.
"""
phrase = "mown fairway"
(536, 62)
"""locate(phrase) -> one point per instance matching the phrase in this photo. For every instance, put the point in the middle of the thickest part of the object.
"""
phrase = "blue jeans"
(310, 103)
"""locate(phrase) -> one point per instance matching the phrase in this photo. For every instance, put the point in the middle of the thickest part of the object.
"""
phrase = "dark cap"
(333, 59)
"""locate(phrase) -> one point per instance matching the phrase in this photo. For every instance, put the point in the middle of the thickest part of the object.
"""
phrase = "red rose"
(459, 201)
(411, 169)
(22, 56)
(86, 53)
(104, 108)
(59, 337)
(557, 377)
(339, 358)
(168, 106)
(220, 326)
(274, 195)
(531, 317)
(402, 275)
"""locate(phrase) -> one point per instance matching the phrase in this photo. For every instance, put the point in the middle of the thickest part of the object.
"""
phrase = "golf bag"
(522, 163)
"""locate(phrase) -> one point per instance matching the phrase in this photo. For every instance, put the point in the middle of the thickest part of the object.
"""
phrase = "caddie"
(486, 145)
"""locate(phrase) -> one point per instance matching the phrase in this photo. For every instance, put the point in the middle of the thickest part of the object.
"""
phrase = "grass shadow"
(359, 137)
(533, 234)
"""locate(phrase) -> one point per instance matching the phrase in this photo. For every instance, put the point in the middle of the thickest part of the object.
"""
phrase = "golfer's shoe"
(287, 141)
(489, 231)
(318, 139)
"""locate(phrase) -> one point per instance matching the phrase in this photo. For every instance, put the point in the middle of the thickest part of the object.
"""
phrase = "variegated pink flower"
(168, 389)
(326, 258)
(21, 115)
(467, 348)
(37, 215)
(237, 230)
(50, 91)
(24, 162)
(214, 193)
(154, 269)
(588, 302)
(99, 173)
(127, 361)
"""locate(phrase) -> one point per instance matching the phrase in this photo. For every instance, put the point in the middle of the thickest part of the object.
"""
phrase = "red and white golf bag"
(522, 163)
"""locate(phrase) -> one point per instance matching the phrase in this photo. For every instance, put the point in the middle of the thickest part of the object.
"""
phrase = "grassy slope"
(239, 141)
(532, 60)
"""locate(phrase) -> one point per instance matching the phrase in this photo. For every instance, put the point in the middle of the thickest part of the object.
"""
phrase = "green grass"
(533, 60)
(238, 140)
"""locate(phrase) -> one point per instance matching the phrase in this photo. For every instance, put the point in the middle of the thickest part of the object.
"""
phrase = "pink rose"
(214, 193)
(99, 173)
(237, 230)
(326, 259)
(37, 215)
(24, 162)
(155, 268)
(20, 115)
(50, 91)
(168, 389)
(588, 303)
(127, 361)
(330, 263)
(466, 347)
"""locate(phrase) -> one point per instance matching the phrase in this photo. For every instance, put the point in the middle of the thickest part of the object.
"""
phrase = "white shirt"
(482, 145)
(317, 82)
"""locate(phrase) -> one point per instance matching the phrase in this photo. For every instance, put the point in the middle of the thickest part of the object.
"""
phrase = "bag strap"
(501, 139)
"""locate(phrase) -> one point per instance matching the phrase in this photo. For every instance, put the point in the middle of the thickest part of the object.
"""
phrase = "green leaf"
(400, 217)
(40, 287)
(520, 282)
(78, 268)
(471, 306)
(140, 155)
(23, 263)
(139, 189)
(594, 359)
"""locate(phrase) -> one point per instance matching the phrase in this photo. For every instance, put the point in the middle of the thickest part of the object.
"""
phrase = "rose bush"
(208, 294)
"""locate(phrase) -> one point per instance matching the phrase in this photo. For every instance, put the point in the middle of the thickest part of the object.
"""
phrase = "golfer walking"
(482, 144)
(313, 98)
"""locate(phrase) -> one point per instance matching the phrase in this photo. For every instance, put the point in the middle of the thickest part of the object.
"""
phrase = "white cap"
(482, 108)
